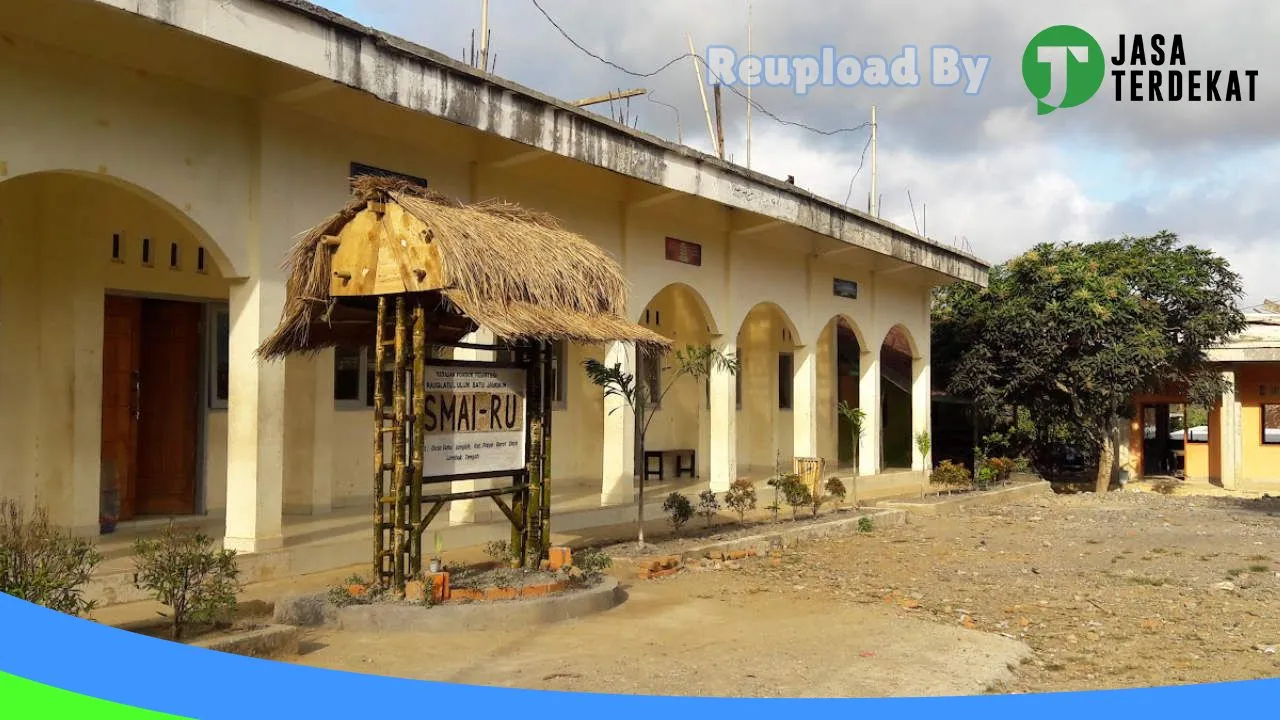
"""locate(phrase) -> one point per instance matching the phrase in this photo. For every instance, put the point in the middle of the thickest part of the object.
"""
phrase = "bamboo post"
(379, 486)
(397, 447)
(544, 491)
(533, 511)
(419, 425)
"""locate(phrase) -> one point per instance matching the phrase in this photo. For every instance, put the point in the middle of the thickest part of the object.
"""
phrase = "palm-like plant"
(697, 361)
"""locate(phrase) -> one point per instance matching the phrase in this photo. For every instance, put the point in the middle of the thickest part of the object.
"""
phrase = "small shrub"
(1021, 464)
(678, 510)
(340, 595)
(986, 476)
(592, 562)
(741, 498)
(187, 573)
(865, 525)
(41, 564)
(795, 493)
(1004, 467)
(708, 506)
(950, 475)
(499, 551)
(835, 488)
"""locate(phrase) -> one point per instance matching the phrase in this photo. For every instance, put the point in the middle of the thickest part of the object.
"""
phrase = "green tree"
(695, 361)
(1070, 332)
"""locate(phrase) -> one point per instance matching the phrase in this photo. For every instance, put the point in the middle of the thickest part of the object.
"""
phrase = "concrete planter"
(511, 614)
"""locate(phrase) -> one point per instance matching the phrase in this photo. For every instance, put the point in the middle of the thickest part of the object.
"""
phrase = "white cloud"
(988, 168)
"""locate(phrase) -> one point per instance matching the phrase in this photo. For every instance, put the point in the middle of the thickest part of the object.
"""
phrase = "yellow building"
(158, 159)
(1236, 442)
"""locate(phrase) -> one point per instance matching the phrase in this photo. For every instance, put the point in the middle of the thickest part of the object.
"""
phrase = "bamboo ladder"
(398, 482)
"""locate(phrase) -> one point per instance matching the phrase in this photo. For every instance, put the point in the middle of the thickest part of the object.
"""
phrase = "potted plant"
(435, 559)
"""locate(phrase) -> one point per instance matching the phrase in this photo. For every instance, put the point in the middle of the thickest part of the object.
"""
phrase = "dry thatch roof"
(516, 272)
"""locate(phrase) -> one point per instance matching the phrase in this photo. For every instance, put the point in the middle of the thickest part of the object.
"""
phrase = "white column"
(255, 420)
(1230, 439)
(471, 511)
(921, 411)
(86, 413)
(724, 425)
(804, 401)
(617, 484)
(869, 448)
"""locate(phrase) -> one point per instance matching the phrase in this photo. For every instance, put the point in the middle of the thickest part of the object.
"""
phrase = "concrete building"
(1234, 443)
(157, 160)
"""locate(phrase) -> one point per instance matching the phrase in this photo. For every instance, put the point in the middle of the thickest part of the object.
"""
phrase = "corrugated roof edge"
(425, 53)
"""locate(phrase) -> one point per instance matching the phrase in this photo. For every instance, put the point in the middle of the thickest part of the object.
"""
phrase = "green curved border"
(22, 698)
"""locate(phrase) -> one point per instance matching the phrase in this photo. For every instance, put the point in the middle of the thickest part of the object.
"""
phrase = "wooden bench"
(660, 456)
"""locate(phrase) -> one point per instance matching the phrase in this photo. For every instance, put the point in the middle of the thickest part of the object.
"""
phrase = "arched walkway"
(767, 344)
(898, 373)
(127, 303)
(680, 419)
(840, 371)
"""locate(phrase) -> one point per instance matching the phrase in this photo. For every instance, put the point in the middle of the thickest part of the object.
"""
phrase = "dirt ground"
(1055, 593)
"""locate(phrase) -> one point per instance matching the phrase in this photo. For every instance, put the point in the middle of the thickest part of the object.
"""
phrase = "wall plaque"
(685, 252)
(845, 288)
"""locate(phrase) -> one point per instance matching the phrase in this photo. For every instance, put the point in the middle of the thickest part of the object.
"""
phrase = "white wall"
(243, 177)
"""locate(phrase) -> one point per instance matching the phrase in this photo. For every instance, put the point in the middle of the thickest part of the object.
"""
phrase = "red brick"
(560, 557)
(497, 593)
(439, 586)
(415, 591)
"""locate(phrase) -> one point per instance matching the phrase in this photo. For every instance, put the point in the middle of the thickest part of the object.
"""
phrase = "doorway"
(1163, 440)
(151, 403)
(848, 369)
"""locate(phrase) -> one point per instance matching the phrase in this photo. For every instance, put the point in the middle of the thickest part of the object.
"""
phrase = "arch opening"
(677, 441)
(767, 343)
(839, 387)
(897, 377)
(129, 300)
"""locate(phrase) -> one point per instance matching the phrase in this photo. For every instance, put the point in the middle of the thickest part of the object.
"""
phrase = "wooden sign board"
(475, 420)
(845, 288)
(685, 252)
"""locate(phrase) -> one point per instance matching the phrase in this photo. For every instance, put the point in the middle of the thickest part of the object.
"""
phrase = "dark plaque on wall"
(845, 288)
(685, 252)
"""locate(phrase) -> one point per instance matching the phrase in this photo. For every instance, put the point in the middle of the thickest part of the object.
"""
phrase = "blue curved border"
(99, 661)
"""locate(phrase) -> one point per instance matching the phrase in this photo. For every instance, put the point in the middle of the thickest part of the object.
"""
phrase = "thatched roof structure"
(516, 272)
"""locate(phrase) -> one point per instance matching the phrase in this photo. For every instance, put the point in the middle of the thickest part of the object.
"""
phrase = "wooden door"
(169, 402)
(121, 341)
